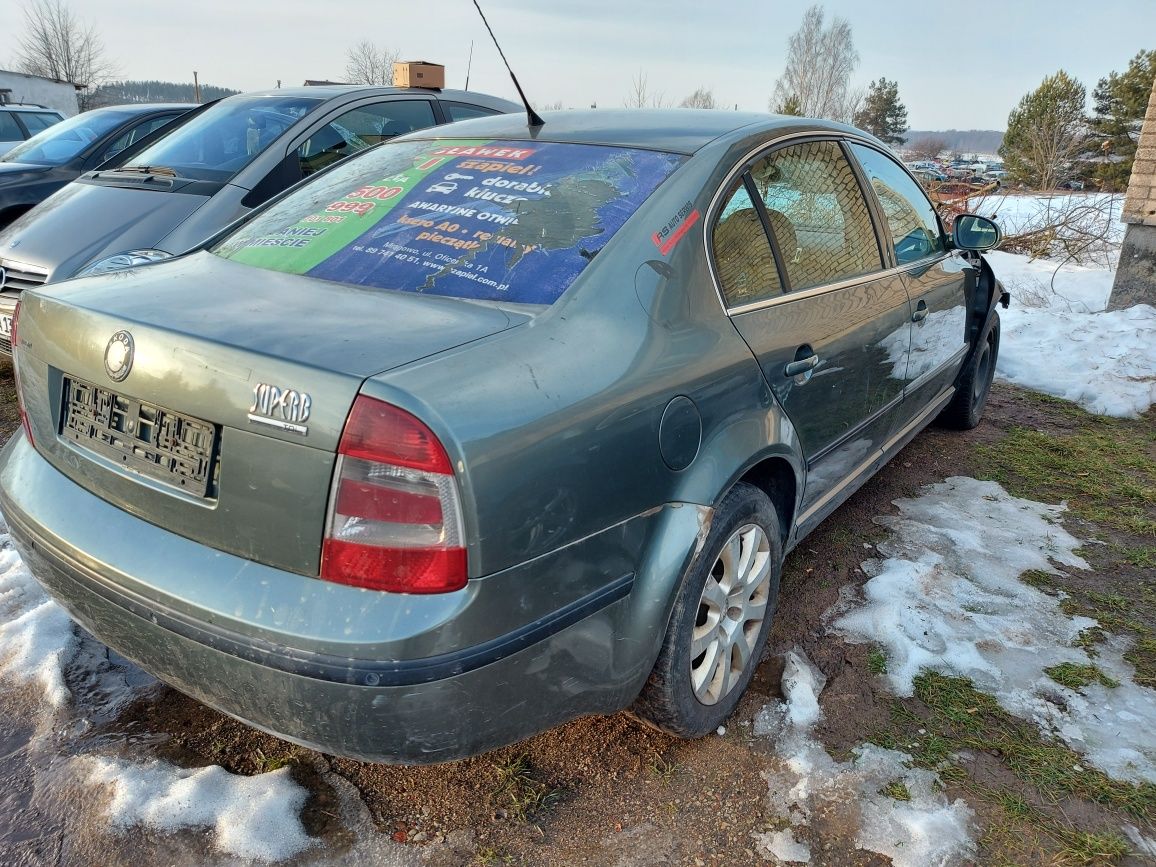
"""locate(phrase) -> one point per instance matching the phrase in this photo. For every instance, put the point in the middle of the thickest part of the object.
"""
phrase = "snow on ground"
(251, 817)
(36, 637)
(948, 598)
(1058, 338)
(811, 787)
(1097, 212)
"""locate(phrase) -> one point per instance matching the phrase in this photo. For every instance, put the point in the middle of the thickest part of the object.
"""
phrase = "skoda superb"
(492, 426)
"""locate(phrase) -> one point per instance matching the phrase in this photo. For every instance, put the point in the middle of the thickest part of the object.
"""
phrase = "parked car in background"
(21, 122)
(492, 426)
(166, 196)
(34, 170)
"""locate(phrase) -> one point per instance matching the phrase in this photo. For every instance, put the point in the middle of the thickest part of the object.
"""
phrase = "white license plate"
(5, 326)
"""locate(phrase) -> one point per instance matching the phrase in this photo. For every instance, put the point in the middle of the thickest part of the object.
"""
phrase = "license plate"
(5, 326)
(159, 443)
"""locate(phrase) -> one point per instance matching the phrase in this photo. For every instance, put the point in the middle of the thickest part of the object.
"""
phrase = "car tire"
(966, 408)
(713, 641)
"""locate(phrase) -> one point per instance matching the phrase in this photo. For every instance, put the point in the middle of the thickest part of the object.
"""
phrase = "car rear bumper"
(405, 710)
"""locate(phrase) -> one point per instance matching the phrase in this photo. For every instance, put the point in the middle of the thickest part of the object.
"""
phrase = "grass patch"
(896, 789)
(970, 719)
(662, 768)
(1081, 847)
(523, 796)
(1102, 469)
(1075, 676)
(877, 661)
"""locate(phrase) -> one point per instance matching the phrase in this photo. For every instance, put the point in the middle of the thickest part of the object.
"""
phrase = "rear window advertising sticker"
(669, 235)
(494, 220)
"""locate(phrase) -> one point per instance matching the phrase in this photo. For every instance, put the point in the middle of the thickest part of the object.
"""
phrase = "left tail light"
(394, 521)
(16, 376)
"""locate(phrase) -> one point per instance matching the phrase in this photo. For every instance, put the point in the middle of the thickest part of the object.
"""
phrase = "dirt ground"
(610, 791)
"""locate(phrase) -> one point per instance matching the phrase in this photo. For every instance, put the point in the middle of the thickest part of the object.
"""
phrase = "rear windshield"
(488, 220)
(225, 138)
(62, 141)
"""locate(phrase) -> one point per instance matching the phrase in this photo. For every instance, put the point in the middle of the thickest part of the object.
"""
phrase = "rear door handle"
(802, 365)
(920, 312)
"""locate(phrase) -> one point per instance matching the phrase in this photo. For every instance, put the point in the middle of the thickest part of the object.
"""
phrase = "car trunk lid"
(209, 398)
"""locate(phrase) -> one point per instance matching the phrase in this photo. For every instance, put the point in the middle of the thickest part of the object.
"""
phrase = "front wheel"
(966, 408)
(720, 620)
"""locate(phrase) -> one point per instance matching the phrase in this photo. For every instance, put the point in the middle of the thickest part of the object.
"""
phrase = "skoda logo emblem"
(118, 356)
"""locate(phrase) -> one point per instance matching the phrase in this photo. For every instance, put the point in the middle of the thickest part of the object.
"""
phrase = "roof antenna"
(469, 64)
(535, 120)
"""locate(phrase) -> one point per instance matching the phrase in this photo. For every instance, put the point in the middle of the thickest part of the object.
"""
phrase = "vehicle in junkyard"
(35, 169)
(405, 472)
(19, 122)
(164, 197)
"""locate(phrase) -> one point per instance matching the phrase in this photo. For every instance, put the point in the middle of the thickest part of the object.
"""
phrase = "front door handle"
(920, 312)
(801, 365)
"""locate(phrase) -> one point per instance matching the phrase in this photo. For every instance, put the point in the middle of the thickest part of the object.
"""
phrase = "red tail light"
(16, 376)
(394, 519)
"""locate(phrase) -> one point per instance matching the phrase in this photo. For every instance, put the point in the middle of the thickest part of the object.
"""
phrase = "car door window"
(910, 216)
(818, 214)
(37, 121)
(363, 127)
(742, 252)
(9, 129)
(464, 111)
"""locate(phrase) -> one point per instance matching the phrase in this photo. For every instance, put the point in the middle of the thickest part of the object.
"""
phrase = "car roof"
(328, 91)
(146, 107)
(40, 109)
(677, 130)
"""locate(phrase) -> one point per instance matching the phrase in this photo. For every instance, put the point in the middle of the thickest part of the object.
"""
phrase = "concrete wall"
(1136, 277)
(33, 88)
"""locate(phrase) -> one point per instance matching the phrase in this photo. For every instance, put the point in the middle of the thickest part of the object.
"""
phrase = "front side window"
(464, 110)
(9, 129)
(481, 219)
(910, 216)
(817, 211)
(38, 120)
(136, 134)
(62, 141)
(362, 127)
(742, 252)
(225, 137)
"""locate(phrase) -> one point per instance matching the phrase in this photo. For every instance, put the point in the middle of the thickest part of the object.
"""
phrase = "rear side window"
(464, 111)
(742, 252)
(818, 214)
(910, 216)
(489, 220)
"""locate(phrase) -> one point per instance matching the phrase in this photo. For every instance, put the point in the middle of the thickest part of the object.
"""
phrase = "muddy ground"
(609, 790)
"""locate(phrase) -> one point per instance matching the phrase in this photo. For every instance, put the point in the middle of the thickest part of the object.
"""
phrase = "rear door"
(936, 281)
(804, 281)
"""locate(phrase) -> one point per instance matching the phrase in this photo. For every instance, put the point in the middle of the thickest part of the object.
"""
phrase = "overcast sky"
(958, 65)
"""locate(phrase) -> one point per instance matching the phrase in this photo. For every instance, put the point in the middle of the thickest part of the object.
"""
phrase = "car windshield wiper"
(148, 170)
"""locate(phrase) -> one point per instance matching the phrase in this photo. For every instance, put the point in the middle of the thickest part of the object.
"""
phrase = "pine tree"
(1121, 101)
(882, 113)
(791, 105)
(1045, 132)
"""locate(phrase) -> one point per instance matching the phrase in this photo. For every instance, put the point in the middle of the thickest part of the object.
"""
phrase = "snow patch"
(810, 787)
(948, 598)
(36, 637)
(1058, 338)
(250, 817)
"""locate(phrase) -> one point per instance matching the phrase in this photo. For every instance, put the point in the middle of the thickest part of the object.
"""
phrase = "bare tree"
(367, 63)
(820, 60)
(928, 147)
(59, 45)
(640, 96)
(703, 97)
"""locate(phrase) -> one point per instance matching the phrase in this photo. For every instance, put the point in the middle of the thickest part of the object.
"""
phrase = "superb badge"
(118, 356)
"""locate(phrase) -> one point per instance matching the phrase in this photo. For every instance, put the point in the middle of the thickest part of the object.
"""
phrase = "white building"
(17, 87)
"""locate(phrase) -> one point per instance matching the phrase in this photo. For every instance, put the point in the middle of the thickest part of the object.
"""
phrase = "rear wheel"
(966, 408)
(720, 620)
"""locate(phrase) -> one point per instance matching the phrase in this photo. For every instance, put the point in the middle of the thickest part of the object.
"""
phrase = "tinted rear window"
(488, 220)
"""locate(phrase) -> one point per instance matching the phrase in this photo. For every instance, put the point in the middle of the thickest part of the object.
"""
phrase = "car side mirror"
(973, 232)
